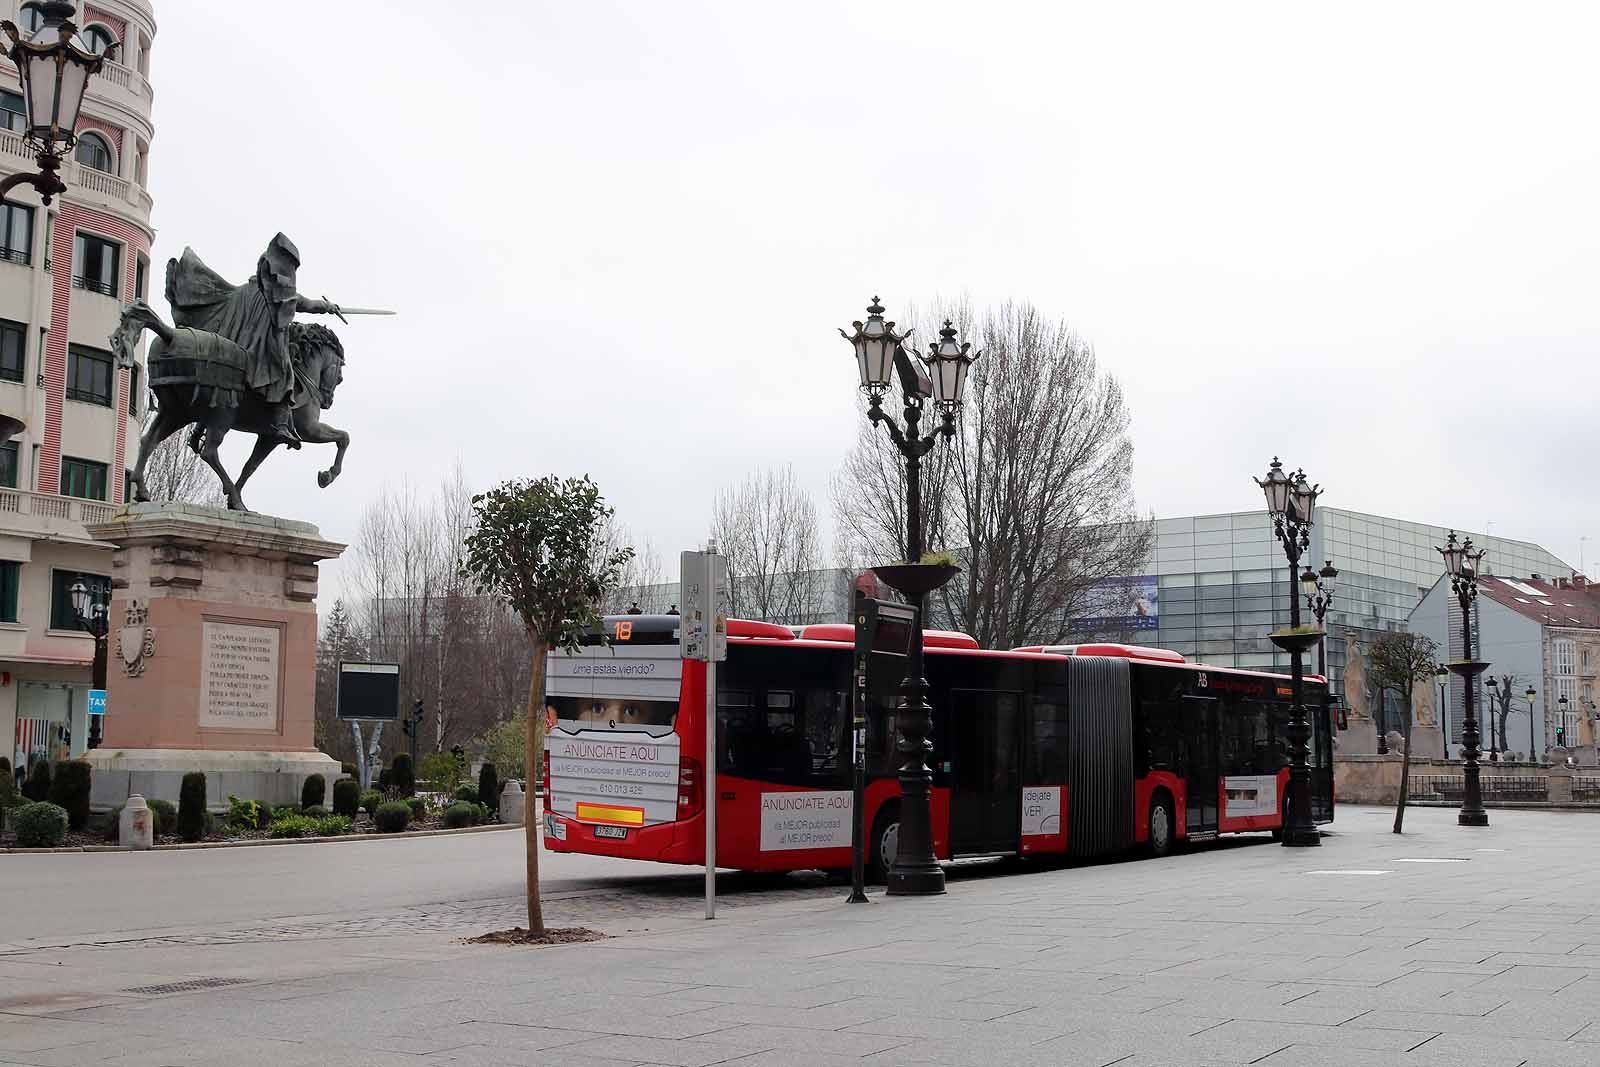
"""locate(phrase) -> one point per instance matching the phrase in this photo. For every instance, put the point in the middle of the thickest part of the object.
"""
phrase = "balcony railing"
(76, 174)
(95, 285)
(46, 506)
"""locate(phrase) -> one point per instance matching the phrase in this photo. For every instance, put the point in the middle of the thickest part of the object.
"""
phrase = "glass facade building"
(1223, 584)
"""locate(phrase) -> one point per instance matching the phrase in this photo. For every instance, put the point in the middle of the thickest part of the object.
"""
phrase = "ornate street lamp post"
(1291, 503)
(1561, 719)
(916, 869)
(1494, 695)
(54, 67)
(1443, 674)
(92, 612)
(1461, 563)
(1533, 756)
(1318, 588)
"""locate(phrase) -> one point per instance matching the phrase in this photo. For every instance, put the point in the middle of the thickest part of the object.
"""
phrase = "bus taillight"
(689, 796)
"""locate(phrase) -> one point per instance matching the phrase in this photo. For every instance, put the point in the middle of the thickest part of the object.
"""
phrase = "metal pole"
(1300, 830)
(1472, 811)
(858, 759)
(712, 602)
(1531, 758)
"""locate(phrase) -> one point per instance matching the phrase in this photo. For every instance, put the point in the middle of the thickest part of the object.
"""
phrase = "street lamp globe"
(1454, 555)
(82, 599)
(1532, 692)
(875, 343)
(1330, 577)
(1305, 497)
(1493, 684)
(948, 362)
(1276, 488)
(1308, 583)
(54, 65)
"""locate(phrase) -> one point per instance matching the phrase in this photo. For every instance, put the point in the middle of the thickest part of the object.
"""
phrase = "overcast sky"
(621, 234)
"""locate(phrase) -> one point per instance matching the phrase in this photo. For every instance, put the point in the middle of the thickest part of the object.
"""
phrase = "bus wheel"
(883, 844)
(1160, 840)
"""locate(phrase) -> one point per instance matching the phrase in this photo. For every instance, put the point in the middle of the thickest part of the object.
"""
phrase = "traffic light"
(1561, 736)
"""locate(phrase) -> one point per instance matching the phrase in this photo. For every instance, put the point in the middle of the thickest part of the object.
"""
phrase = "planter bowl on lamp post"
(1292, 504)
(54, 66)
(878, 347)
(1462, 563)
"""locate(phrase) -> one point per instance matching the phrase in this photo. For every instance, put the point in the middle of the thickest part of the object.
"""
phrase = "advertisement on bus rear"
(610, 735)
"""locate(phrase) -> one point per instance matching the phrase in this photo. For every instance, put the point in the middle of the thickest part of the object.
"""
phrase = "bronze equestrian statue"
(235, 359)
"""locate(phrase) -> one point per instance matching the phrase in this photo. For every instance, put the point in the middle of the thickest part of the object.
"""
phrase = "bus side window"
(1047, 762)
(738, 733)
(1161, 734)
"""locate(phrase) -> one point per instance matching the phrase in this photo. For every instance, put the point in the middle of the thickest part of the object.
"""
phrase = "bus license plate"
(619, 832)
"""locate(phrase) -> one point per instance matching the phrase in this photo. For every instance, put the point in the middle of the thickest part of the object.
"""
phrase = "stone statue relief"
(1357, 693)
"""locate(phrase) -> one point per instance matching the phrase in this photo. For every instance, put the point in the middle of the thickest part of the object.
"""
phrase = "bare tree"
(1502, 692)
(1034, 495)
(1400, 662)
(176, 472)
(767, 527)
(642, 583)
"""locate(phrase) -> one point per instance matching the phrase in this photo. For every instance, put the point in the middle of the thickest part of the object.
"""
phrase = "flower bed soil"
(360, 826)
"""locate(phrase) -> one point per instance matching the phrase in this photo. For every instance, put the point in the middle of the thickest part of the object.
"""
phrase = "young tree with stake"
(1400, 661)
(540, 546)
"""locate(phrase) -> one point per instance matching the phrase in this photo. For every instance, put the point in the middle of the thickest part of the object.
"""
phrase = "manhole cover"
(186, 987)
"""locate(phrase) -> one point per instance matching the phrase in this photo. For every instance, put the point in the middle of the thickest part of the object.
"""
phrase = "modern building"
(1541, 631)
(1219, 584)
(66, 272)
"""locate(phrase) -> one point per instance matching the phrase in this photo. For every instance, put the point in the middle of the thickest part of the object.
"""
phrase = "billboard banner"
(1119, 605)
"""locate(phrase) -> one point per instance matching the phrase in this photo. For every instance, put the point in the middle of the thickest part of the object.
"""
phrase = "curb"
(341, 839)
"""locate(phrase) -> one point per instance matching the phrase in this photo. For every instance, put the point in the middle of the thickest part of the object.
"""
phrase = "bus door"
(985, 733)
(1198, 721)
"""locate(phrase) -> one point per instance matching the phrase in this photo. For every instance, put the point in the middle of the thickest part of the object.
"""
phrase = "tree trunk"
(533, 762)
(1405, 770)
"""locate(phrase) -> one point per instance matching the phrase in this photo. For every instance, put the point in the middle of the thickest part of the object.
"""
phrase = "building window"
(133, 390)
(13, 112)
(31, 18)
(1566, 654)
(94, 152)
(141, 277)
(16, 233)
(63, 616)
(94, 264)
(13, 350)
(83, 478)
(100, 40)
(89, 376)
(8, 465)
(10, 579)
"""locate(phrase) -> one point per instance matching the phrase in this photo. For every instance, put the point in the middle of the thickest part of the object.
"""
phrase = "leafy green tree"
(1398, 661)
(540, 545)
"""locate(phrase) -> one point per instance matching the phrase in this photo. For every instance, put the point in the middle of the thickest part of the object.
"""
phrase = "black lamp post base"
(916, 881)
(1472, 818)
(1302, 838)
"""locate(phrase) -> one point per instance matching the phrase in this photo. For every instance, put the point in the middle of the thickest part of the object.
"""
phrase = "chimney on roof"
(1536, 576)
(1580, 581)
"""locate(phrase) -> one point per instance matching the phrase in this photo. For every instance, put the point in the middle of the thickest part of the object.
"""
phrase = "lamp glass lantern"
(1329, 576)
(875, 343)
(948, 362)
(1304, 497)
(54, 65)
(82, 599)
(1532, 692)
(1276, 488)
(1308, 582)
(1454, 555)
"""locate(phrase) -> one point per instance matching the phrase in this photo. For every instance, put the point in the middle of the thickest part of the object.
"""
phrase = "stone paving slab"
(1240, 953)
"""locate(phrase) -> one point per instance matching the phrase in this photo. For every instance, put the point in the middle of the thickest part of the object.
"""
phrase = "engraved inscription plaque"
(239, 677)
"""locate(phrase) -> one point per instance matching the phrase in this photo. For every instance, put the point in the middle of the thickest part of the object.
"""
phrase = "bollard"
(133, 828)
(512, 803)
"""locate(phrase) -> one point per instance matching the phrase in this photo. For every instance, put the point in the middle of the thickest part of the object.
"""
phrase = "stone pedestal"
(1559, 785)
(1360, 738)
(512, 803)
(133, 827)
(1427, 742)
(212, 655)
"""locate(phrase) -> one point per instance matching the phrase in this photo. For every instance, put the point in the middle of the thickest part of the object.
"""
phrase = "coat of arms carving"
(136, 642)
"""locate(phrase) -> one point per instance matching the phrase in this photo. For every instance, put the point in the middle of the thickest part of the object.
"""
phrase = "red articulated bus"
(1078, 750)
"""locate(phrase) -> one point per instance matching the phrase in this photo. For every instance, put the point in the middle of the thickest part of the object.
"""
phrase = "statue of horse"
(199, 378)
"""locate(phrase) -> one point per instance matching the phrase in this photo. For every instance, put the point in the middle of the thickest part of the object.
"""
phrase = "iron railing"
(1493, 787)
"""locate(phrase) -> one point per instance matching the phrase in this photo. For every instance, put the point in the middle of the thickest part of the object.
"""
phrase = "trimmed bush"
(467, 794)
(489, 788)
(284, 811)
(293, 826)
(263, 815)
(315, 811)
(346, 797)
(192, 806)
(163, 817)
(402, 777)
(391, 817)
(370, 801)
(333, 826)
(349, 770)
(440, 771)
(385, 777)
(40, 825)
(37, 786)
(418, 806)
(314, 793)
(70, 790)
(460, 814)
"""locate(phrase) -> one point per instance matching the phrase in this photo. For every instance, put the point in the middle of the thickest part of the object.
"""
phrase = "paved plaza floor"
(1446, 946)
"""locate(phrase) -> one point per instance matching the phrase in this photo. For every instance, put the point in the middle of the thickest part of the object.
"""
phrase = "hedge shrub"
(402, 777)
(37, 785)
(314, 793)
(263, 815)
(243, 815)
(346, 797)
(333, 825)
(163, 817)
(70, 790)
(293, 826)
(284, 811)
(315, 811)
(467, 794)
(370, 799)
(192, 806)
(489, 788)
(460, 814)
(418, 806)
(392, 817)
(384, 781)
(349, 770)
(40, 825)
